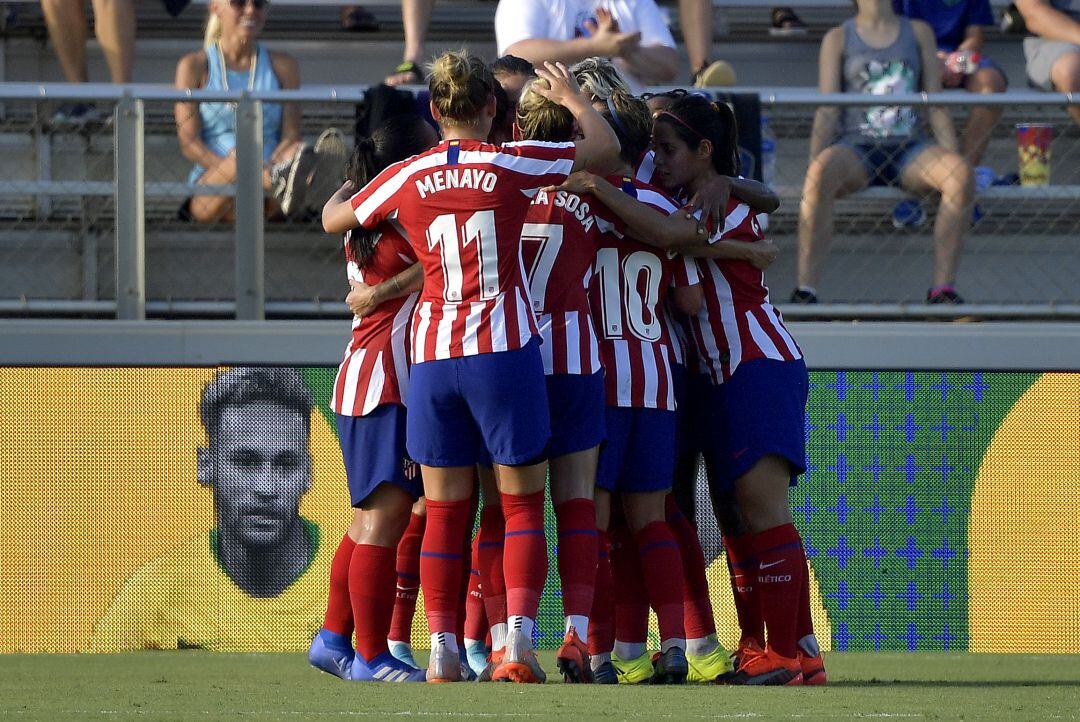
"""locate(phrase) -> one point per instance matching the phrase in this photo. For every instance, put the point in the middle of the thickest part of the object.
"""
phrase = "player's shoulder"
(654, 196)
(535, 148)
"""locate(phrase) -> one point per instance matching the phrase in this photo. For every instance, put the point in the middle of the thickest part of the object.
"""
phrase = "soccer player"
(477, 381)
(262, 560)
(755, 406)
(559, 242)
(371, 420)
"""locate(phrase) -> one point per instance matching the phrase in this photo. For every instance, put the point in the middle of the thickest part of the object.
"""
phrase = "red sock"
(804, 623)
(441, 562)
(577, 550)
(779, 584)
(489, 552)
(525, 561)
(662, 569)
(602, 615)
(476, 626)
(466, 579)
(408, 579)
(338, 607)
(631, 599)
(743, 570)
(371, 588)
(697, 607)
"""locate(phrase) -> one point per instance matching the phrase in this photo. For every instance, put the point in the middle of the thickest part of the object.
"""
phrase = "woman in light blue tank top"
(232, 59)
(879, 53)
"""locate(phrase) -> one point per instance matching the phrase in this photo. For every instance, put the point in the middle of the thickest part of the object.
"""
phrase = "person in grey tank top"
(1053, 56)
(879, 53)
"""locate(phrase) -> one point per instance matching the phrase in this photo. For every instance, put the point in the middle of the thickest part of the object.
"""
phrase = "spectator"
(1053, 56)
(356, 19)
(786, 24)
(232, 58)
(958, 29)
(880, 53)
(415, 18)
(114, 27)
(630, 32)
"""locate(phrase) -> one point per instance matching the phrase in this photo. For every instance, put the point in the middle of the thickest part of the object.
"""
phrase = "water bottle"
(768, 152)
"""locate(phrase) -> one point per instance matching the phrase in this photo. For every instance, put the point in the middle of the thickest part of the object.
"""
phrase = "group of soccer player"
(585, 305)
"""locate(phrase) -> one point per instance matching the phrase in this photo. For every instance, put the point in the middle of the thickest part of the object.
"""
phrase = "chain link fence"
(59, 213)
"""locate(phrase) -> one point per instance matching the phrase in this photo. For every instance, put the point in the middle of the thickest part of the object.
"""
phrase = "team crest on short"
(410, 468)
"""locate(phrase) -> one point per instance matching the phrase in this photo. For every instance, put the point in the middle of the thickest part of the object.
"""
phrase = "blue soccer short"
(576, 403)
(760, 410)
(639, 454)
(498, 401)
(373, 448)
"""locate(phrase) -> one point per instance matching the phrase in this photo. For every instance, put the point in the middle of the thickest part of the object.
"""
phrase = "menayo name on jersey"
(627, 294)
(558, 246)
(737, 322)
(461, 205)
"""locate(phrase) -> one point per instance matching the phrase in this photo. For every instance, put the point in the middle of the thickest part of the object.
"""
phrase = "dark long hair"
(397, 139)
(695, 119)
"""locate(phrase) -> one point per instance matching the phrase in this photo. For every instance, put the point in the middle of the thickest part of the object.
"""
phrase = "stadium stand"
(56, 244)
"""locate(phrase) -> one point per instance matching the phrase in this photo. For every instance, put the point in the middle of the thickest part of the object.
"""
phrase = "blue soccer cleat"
(332, 653)
(384, 668)
(402, 652)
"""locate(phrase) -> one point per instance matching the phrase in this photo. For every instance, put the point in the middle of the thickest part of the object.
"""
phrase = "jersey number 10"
(636, 290)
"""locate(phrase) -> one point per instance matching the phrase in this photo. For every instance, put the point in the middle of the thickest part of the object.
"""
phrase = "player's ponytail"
(629, 117)
(695, 119)
(397, 139)
(460, 85)
(541, 119)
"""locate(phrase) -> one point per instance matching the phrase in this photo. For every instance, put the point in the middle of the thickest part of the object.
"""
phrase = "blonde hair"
(541, 119)
(212, 33)
(600, 78)
(629, 116)
(460, 85)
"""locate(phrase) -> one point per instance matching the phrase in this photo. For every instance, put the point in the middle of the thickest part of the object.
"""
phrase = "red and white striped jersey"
(375, 369)
(558, 245)
(646, 168)
(737, 323)
(462, 205)
(627, 295)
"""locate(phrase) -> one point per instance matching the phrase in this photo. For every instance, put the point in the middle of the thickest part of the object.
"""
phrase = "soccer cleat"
(493, 660)
(633, 671)
(477, 655)
(444, 665)
(519, 662)
(813, 670)
(707, 667)
(467, 674)
(605, 674)
(402, 652)
(332, 653)
(573, 659)
(384, 668)
(670, 667)
(767, 668)
(748, 647)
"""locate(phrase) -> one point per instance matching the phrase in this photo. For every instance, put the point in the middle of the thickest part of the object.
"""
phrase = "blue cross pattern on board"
(894, 457)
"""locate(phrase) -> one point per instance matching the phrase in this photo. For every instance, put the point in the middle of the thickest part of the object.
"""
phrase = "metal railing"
(52, 223)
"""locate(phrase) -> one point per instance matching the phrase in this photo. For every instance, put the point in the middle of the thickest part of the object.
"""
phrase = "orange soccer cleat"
(519, 663)
(813, 669)
(573, 659)
(766, 668)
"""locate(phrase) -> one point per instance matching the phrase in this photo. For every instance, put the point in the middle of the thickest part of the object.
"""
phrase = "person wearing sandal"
(786, 24)
(231, 59)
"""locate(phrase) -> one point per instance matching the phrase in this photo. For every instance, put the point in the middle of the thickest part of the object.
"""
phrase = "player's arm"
(337, 213)
(709, 204)
(1046, 21)
(827, 118)
(643, 222)
(759, 254)
(598, 149)
(363, 299)
(940, 121)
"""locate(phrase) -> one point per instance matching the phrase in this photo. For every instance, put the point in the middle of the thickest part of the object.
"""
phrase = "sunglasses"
(241, 4)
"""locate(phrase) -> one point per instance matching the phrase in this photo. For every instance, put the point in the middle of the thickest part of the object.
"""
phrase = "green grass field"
(209, 686)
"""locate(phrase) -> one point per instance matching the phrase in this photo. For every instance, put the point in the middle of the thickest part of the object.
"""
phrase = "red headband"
(680, 121)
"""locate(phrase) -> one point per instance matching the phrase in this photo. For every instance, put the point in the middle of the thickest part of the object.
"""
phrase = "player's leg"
(576, 404)
(332, 650)
(408, 584)
(645, 483)
(983, 118)
(932, 168)
(489, 553)
(764, 406)
(836, 171)
(476, 624)
(602, 615)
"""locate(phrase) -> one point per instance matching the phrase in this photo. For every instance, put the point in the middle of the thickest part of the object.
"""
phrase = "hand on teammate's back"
(361, 299)
(762, 254)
